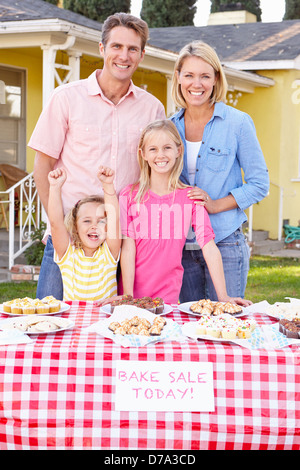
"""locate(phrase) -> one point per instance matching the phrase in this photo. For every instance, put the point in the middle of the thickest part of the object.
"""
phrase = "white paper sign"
(164, 386)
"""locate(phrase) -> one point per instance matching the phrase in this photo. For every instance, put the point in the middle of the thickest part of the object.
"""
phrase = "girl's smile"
(161, 152)
(91, 226)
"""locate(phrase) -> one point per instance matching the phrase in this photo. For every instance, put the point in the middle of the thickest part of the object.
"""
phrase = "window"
(12, 117)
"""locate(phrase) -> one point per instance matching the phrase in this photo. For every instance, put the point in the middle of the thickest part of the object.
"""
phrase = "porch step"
(259, 235)
(267, 247)
(5, 275)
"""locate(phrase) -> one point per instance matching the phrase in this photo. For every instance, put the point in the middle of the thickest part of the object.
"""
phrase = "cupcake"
(48, 298)
(41, 308)
(244, 332)
(54, 306)
(16, 308)
(214, 331)
(28, 309)
(201, 329)
(7, 306)
(229, 332)
(251, 323)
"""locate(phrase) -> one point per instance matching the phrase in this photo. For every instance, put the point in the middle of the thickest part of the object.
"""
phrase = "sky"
(272, 10)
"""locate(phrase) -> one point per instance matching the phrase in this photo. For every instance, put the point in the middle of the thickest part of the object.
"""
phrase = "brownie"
(155, 306)
(290, 328)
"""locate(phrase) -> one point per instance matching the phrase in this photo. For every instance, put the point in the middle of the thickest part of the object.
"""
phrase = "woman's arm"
(200, 197)
(128, 254)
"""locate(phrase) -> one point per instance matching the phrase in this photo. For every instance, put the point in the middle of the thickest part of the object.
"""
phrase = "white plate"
(189, 329)
(70, 325)
(185, 307)
(167, 309)
(64, 308)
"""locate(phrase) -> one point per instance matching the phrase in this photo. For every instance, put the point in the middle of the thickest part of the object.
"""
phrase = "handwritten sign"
(164, 386)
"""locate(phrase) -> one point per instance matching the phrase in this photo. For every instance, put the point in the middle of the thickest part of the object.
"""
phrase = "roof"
(234, 43)
(237, 42)
(24, 10)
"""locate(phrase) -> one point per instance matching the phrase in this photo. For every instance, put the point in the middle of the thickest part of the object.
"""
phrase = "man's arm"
(43, 164)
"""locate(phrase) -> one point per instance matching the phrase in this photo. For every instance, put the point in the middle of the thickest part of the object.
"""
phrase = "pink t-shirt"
(159, 226)
(82, 129)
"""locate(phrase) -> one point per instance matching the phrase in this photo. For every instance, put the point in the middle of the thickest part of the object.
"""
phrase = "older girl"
(156, 214)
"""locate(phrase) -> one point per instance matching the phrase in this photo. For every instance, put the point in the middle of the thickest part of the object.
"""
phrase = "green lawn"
(270, 279)
(273, 279)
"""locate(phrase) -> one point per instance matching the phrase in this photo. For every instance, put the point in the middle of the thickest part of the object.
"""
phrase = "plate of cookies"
(37, 324)
(134, 326)
(206, 307)
(27, 306)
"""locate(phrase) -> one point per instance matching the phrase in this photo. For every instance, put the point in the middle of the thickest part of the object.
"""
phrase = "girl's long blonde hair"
(143, 184)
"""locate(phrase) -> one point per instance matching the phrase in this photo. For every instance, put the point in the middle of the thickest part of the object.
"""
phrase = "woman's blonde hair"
(208, 54)
(144, 181)
(71, 218)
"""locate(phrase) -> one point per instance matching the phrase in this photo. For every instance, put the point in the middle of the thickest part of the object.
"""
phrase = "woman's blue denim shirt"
(229, 144)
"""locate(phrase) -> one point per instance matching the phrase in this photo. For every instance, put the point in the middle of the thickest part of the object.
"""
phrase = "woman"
(220, 143)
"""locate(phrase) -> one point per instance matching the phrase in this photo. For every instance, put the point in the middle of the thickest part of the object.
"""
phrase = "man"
(93, 122)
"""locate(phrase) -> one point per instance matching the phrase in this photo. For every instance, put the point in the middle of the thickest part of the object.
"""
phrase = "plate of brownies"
(154, 305)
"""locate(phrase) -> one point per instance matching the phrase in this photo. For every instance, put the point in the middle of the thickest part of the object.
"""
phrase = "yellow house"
(43, 46)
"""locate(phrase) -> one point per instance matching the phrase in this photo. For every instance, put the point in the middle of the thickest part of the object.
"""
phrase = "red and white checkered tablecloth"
(58, 393)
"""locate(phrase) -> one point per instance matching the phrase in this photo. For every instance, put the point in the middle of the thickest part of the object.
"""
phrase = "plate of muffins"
(27, 306)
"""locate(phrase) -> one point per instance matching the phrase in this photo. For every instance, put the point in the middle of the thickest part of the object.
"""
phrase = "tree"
(253, 6)
(163, 13)
(97, 10)
(292, 10)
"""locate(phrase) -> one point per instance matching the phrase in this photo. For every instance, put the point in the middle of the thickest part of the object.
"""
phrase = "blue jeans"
(197, 283)
(50, 280)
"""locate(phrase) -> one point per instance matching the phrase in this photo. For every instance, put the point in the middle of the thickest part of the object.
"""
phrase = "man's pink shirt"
(82, 129)
(159, 226)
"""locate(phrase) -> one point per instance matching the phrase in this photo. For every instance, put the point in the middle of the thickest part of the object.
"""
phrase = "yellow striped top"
(88, 278)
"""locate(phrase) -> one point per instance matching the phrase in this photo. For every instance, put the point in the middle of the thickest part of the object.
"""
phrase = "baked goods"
(290, 328)
(284, 310)
(154, 305)
(36, 324)
(28, 306)
(138, 326)
(225, 326)
(208, 307)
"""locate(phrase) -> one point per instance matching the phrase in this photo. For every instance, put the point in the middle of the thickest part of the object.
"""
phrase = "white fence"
(24, 203)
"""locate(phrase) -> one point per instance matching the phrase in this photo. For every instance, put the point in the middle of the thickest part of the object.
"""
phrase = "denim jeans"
(197, 283)
(50, 280)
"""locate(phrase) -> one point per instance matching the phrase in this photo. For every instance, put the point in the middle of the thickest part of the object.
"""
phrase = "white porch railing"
(29, 215)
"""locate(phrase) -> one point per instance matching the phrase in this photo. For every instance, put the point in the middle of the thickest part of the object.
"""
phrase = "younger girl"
(156, 214)
(87, 243)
